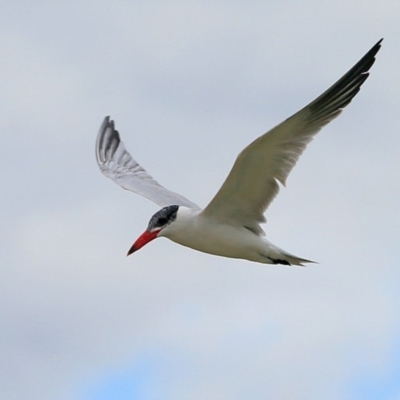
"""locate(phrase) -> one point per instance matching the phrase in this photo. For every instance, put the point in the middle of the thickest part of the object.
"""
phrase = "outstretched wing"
(116, 163)
(252, 183)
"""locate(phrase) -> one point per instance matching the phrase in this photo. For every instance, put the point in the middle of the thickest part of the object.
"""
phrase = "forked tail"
(279, 256)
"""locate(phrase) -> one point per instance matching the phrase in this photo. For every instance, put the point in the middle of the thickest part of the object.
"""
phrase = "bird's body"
(195, 230)
(230, 224)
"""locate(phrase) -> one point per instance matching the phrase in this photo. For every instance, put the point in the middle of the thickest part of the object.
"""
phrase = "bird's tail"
(279, 256)
(294, 260)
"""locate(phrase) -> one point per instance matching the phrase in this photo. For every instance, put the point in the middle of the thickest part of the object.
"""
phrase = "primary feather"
(252, 183)
(116, 163)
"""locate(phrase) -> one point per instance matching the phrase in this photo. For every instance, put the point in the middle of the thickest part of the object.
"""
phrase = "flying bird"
(230, 224)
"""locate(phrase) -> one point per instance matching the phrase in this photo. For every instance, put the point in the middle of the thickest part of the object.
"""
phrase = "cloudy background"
(189, 85)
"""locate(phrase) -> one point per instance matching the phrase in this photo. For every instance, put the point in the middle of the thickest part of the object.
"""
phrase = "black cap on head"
(163, 217)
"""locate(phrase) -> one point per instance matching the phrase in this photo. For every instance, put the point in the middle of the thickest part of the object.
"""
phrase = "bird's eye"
(162, 221)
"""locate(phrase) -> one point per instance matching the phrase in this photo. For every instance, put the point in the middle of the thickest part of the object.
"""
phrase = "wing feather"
(116, 163)
(252, 184)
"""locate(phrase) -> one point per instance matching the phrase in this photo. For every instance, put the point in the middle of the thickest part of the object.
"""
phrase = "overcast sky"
(189, 84)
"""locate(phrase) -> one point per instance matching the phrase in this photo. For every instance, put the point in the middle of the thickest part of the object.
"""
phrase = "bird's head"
(159, 221)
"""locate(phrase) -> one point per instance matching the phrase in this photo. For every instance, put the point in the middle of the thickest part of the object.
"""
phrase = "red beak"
(143, 239)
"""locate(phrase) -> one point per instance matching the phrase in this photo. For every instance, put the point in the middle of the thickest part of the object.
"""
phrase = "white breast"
(192, 229)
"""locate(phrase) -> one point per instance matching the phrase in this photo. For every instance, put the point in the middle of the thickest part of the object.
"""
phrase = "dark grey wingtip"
(99, 141)
(107, 141)
(340, 94)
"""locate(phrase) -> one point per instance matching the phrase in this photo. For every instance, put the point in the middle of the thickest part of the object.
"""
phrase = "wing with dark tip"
(252, 183)
(116, 163)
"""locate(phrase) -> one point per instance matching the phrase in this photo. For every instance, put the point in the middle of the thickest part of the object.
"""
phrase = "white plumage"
(230, 225)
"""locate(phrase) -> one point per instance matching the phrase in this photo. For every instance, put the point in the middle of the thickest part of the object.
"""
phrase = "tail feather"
(293, 260)
(279, 256)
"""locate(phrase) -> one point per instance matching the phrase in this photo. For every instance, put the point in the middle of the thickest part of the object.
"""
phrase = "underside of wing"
(252, 183)
(116, 163)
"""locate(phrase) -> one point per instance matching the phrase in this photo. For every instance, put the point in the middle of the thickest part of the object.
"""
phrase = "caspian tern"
(230, 225)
